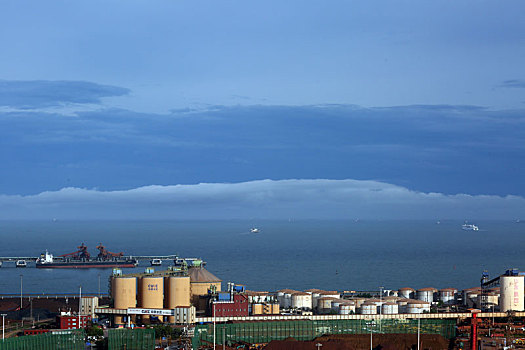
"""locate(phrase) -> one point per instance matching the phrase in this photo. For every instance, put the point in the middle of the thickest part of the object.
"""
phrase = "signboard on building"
(160, 312)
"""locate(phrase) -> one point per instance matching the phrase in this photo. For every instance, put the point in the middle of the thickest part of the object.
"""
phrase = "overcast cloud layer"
(265, 199)
(429, 148)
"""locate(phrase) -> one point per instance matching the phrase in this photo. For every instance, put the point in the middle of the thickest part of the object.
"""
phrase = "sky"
(270, 109)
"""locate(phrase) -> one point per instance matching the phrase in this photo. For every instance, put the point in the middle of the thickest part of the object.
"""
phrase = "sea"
(360, 255)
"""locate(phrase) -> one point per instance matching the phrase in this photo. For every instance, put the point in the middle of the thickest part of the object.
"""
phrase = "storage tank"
(447, 295)
(336, 304)
(151, 294)
(301, 300)
(324, 305)
(201, 280)
(347, 308)
(124, 293)
(417, 307)
(280, 298)
(358, 301)
(406, 292)
(257, 309)
(287, 300)
(511, 293)
(426, 294)
(369, 308)
(177, 293)
(389, 308)
(402, 305)
(315, 295)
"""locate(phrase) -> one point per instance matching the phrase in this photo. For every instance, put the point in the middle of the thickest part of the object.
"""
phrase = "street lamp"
(380, 306)
(3, 326)
(214, 325)
(21, 291)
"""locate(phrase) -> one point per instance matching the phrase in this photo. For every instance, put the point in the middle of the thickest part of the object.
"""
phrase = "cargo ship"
(82, 259)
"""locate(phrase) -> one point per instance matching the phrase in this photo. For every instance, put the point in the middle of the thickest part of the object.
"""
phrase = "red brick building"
(236, 307)
(71, 322)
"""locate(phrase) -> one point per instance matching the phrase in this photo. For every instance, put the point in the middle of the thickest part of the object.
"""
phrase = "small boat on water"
(21, 263)
(469, 227)
(254, 230)
(156, 262)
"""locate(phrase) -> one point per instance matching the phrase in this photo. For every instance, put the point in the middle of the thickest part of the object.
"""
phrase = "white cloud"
(283, 199)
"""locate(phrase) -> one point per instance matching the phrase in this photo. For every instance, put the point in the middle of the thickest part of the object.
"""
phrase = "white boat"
(254, 230)
(156, 262)
(21, 263)
(469, 227)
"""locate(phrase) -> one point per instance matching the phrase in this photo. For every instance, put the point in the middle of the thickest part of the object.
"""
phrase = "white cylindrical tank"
(426, 294)
(369, 308)
(406, 292)
(324, 305)
(346, 308)
(359, 301)
(417, 307)
(287, 300)
(511, 293)
(447, 295)
(301, 300)
(402, 305)
(315, 297)
(336, 304)
(389, 308)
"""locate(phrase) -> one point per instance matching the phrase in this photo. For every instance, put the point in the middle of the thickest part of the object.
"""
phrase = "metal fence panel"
(131, 339)
(74, 340)
(265, 331)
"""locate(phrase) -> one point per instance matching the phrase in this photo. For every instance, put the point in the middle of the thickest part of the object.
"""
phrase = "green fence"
(72, 340)
(263, 332)
(131, 339)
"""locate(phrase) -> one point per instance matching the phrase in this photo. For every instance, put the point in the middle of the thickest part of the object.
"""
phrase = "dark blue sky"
(425, 97)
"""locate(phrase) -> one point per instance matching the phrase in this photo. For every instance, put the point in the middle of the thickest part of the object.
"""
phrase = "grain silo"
(151, 294)
(124, 294)
(177, 293)
(201, 280)
(511, 293)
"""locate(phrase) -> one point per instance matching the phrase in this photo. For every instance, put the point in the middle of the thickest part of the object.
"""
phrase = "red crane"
(81, 253)
(107, 255)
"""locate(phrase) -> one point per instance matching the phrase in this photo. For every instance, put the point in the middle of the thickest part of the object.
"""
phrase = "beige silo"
(511, 293)
(177, 293)
(151, 294)
(124, 293)
(201, 280)
(257, 309)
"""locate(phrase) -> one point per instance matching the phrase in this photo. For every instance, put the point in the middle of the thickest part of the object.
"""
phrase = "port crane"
(107, 255)
(81, 254)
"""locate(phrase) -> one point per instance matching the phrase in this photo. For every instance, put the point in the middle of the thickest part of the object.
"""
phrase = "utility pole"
(418, 331)
(213, 326)
(3, 326)
(380, 307)
(79, 305)
(21, 276)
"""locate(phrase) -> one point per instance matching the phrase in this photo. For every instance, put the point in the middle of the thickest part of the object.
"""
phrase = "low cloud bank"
(265, 199)
(45, 93)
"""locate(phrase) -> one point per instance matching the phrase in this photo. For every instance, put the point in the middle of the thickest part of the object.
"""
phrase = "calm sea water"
(340, 255)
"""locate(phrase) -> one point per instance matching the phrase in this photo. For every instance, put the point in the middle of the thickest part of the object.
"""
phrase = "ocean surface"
(333, 255)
